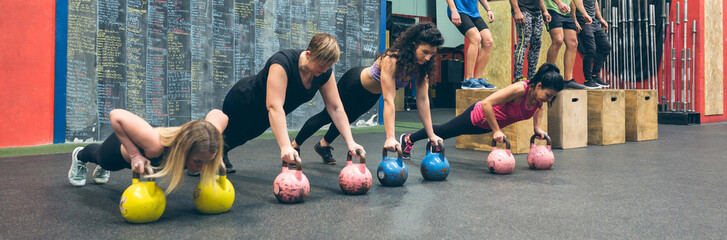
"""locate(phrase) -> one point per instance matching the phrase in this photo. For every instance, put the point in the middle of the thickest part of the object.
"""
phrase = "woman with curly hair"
(410, 59)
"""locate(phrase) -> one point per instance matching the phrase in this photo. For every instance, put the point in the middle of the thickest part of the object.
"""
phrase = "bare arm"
(134, 133)
(424, 113)
(517, 15)
(276, 86)
(490, 14)
(603, 22)
(500, 97)
(388, 91)
(536, 122)
(544, 10)
(332, 101)
(579, 7)
(217, 118)
(456, 19)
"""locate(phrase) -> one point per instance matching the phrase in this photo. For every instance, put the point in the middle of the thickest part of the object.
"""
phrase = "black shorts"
(469, 23)
(561, 21)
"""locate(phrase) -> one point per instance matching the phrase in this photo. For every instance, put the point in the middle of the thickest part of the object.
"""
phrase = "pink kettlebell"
(291, 186)
(355, 178)
(540, 157)
(501, 161)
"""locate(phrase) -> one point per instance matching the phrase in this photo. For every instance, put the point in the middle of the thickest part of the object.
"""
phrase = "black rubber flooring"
(671, 188)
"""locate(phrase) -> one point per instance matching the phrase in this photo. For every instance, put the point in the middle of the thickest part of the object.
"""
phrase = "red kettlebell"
(291, 186)
(540, 157)
(355, 178)
(501, 161)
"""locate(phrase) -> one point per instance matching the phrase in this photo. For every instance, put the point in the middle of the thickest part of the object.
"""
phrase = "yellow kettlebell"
(142, 202)
(216, 197)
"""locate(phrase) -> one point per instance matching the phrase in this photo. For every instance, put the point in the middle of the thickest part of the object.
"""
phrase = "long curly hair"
(404, 50)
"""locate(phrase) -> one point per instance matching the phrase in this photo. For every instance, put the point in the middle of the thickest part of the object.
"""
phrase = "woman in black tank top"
(289, 79)
(409, 59)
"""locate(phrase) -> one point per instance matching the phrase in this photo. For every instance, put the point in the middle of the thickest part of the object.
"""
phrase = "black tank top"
(250, 93)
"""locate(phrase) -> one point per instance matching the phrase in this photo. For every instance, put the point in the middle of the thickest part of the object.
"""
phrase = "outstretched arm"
(536, 123)
(134, 133)
(500, 97)
(277, 84)
(424, 113)
(335, 109)
(388, 91)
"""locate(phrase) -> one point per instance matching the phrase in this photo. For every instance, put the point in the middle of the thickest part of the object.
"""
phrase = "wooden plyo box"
(641, 115)
(568, 119)
(518, 133)
(606, 116)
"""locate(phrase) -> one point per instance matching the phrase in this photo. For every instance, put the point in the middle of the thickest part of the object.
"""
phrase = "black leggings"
(356, 101)
(107, 154)
(459, 125)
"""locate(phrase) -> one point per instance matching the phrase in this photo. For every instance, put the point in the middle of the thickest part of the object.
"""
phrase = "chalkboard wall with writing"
(171, 61)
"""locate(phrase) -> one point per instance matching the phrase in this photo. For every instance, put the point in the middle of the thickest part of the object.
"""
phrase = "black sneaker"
(600, 81)
(573, 84)
(519, 79)
(406, 146)
(591, 85)
(325, 153)
(228, 165)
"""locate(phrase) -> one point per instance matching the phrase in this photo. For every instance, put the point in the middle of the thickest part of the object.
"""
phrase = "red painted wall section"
(700, 52)
(27, 46)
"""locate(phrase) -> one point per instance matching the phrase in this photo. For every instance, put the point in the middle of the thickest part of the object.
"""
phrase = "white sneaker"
(77, 174)
(100, 175)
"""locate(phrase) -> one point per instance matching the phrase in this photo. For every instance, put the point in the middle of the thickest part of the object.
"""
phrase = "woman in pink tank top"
(517, 102)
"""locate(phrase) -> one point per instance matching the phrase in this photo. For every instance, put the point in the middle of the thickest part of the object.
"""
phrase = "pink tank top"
(507, 113)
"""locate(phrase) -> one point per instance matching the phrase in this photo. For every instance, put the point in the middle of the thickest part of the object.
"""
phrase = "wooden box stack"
(606, 117)
(568, 119)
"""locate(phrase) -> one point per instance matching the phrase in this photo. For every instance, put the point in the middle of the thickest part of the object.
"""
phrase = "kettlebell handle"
(441, 147)
(507, 143)
(298, 164)
(398, 150)
(547, 139)
(361, 159)
(136, 176)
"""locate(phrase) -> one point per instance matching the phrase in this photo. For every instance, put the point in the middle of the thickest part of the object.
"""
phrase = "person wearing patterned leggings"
(529, 27)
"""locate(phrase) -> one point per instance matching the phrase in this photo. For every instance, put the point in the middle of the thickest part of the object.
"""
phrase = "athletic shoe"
(100, 175)
(591, 85)
(573, 84)
(519, 79)
(600, 81)
(484, 82)
(471, 84)
(325, 153)
(406, 146)
(228, 165)
(77, 174)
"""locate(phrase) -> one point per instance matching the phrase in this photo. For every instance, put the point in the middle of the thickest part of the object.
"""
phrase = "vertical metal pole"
(694, 41)
(664, 22)
(616, 49)
(685, 72)
(639, 44)
(677, 51)
(632, 43)
(652, 25)
(624, 46)
(671, 66)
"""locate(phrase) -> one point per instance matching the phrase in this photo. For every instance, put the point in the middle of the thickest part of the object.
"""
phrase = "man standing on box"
(593, 44)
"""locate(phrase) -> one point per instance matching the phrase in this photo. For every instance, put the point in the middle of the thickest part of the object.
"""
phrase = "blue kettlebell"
(392, 172)
(435, 166)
